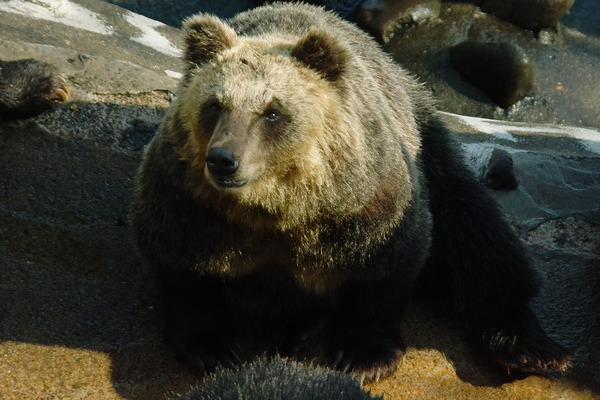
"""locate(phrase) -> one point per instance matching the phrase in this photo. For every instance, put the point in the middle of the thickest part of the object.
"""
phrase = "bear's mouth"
(228, 182)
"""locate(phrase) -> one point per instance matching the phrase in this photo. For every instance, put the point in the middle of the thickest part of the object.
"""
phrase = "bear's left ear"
(205, 37)
(323, 53)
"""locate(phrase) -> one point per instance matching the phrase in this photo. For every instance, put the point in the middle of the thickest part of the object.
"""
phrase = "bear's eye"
(272, 116)
(212, 108)
(209, 114)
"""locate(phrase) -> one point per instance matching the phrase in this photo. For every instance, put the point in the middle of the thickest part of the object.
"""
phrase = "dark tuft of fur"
(278, 379)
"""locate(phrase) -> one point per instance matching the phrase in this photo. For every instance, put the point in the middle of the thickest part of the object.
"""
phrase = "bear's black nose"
(222, 161)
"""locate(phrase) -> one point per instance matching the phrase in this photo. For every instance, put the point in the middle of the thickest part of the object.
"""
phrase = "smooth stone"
(500, 171)
(382, 18)
(529, 14)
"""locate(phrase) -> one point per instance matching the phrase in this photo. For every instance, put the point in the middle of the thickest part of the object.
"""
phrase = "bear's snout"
(222, 161)
(223, 164)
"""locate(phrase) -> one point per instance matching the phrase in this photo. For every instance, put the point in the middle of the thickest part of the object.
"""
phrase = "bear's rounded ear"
(323, 53)
(205, 37)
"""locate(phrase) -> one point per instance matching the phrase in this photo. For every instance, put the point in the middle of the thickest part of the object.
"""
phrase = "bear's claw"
(58, 92)
(516, 341)
(539, 357)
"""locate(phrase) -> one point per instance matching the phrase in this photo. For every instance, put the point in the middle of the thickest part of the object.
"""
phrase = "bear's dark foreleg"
(478, 265)
(28, 88)
(363, 333)
(198, 320)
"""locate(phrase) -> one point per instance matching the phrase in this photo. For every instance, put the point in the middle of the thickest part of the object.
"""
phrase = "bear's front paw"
(519, 343)
(367, 353)
(29, 87)
(535, 354)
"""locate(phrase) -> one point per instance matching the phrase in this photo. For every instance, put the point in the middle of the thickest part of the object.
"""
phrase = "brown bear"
(28, 88)
(301, 188)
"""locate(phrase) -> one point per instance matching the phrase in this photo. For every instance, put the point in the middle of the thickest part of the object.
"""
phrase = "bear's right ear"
(323, 53)
(205, 37)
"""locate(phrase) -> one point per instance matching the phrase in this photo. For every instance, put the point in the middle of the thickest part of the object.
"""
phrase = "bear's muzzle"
(223, 164)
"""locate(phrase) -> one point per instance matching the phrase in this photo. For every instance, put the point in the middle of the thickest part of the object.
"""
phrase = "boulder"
(500, 173)
(502, 70)
(383, 18)
(529, 14)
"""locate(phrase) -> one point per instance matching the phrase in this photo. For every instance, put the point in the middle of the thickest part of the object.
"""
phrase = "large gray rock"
(383, 18)
(79, 317)
(556, 167)
(529, 14)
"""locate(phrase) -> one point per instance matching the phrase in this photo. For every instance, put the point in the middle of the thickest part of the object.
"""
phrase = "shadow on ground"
(68, 275)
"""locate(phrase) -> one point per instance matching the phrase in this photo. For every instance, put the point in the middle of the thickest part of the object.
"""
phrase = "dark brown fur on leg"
(362, 338)
(478, 267)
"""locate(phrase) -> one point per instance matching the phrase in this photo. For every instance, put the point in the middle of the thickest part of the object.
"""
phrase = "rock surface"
(529, 14)
(500, 172)
(382, 18)
(78, 313)
(558, 96)
(502, 70)
(173, 12)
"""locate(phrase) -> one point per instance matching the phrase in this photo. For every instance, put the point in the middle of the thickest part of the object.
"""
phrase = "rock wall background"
(78, 313)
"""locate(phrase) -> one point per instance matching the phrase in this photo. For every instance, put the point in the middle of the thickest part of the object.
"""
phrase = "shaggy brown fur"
(278, 379)
(28, 88)
(300, 185)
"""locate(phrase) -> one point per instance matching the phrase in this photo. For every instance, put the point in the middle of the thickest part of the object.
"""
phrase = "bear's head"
(262, 122)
